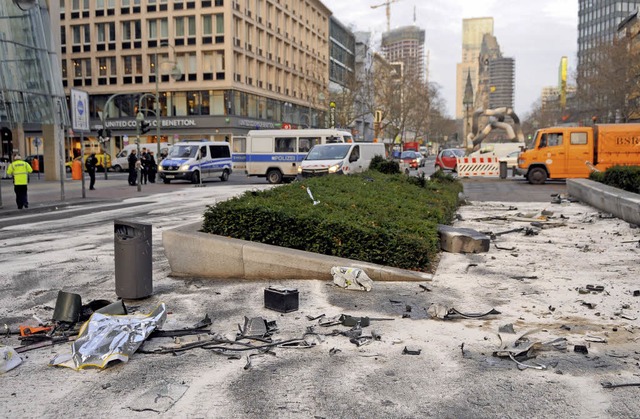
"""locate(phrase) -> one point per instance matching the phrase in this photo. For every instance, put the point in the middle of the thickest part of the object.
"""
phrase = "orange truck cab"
(574, 152)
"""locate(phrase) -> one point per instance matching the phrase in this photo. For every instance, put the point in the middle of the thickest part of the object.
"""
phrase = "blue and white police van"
(197, 160)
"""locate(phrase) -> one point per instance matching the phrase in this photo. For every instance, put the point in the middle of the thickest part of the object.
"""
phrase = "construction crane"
(388, 5)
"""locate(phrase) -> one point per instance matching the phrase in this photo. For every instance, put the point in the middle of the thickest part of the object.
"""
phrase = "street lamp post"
(177, 75)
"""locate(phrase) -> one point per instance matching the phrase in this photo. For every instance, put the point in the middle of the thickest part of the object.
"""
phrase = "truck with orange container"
(574, 152)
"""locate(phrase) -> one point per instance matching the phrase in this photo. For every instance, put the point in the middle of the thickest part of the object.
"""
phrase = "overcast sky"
(536, 33)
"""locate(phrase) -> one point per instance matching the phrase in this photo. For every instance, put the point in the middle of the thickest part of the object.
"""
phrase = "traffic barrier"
(473, 166)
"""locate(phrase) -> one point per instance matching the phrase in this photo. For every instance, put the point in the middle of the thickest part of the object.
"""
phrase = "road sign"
(37, 142)
(80, 110)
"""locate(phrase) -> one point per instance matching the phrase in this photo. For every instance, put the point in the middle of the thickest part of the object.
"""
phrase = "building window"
(131, 29)
(132, 64)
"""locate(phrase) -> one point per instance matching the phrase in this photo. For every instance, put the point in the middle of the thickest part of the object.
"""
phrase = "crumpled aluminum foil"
(105, 338)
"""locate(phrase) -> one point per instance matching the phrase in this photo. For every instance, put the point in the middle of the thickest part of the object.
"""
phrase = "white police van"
(276, 154)
(196, 161)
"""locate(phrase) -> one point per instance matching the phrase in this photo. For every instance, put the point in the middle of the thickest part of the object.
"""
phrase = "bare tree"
(347, 98)
(609, 82)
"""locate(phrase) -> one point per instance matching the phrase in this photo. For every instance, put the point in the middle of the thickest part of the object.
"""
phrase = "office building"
(220, 67)
(406, 45)
(598, 22)
(473, 31)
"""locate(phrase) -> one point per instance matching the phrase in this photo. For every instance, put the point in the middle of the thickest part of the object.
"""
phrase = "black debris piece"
(281, 299)
(351, 321)
(411, 350)
(257, 327)
(581, 349)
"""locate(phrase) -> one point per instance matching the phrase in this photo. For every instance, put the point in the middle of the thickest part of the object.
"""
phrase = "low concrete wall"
(196, 254)
(624, 205)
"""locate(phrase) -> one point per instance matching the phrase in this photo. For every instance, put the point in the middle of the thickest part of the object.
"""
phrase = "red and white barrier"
(478, 166)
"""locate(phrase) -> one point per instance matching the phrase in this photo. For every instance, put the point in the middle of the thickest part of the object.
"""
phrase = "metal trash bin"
(503, 170)
(132, 243)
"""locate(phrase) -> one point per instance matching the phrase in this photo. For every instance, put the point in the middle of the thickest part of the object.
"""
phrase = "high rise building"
(598, 21)
(406, 45)
(473, 31)
(244, 64)
(496, 76)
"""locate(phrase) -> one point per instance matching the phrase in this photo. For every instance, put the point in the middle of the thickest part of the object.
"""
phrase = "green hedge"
(622, 177)
(372, 217)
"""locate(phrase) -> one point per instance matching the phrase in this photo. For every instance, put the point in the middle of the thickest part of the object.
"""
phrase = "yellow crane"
(388, 5)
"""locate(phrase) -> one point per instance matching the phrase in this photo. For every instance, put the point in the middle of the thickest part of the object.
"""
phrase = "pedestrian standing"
(153, 167)
(90, 165)
(144, 166)
(20, 170)
(132, 160)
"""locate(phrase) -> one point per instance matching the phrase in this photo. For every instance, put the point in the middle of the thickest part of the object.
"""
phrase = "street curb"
(192, 253)
(624, 205)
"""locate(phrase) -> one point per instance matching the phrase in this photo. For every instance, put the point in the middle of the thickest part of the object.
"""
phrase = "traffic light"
(100, 132)
(144, 127)
(6, 136)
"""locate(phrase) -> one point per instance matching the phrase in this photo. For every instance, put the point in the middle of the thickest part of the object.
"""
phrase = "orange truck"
(574, 152)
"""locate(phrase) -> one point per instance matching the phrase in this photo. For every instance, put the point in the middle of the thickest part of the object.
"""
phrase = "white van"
(121, 163)
(196, 161)
(340, 158)
(276, 154)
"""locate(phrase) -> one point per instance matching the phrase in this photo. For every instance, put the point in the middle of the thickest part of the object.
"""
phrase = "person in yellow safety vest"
(20, 170)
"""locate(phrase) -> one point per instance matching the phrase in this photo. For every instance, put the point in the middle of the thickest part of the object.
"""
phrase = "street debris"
(581, 349)
(106, 338)
(522, 349)
(523, 277)
(594, 338)
(440, 311)
(282, 299)
(68, 307)
(257, 328)
(504, 248)
(607, 384)
(312, 198)
(507, 328)
(493, 235)
(411, 350)
(9, 358)
(351, 278)
(462, 240)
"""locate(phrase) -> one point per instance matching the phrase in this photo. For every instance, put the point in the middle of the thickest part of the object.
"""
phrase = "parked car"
(447, 159)
(30, 158)
(511, 159)
(413, 158)
(99, 166)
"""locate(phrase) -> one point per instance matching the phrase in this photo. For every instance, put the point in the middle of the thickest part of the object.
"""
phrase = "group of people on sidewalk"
(145, 165)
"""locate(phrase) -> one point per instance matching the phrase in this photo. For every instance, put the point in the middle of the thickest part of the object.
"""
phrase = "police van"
(197, 160)
(276, 154)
